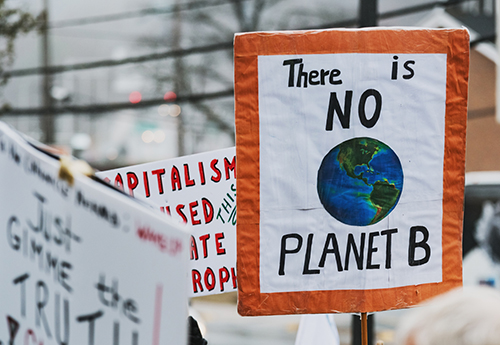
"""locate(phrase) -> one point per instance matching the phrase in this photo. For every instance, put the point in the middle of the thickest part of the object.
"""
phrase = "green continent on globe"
(384, 196)
(357, 153)
(360, 181)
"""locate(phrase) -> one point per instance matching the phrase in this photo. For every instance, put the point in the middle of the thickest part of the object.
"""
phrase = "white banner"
(317, 329)
(84, 264)
(199, 190)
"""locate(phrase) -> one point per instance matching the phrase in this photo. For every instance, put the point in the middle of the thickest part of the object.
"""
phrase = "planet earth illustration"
(360, 181)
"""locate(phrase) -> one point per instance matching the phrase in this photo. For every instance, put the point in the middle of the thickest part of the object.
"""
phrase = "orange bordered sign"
(350, 175)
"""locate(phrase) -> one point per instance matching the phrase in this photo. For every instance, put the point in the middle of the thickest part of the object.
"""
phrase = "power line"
(92, 109)
(420, 8)
(103, 108)
(139, 13)
(116, 62)
(98, 35)
(395, 13)
(207, 48)
(203, 4)
(478, 40)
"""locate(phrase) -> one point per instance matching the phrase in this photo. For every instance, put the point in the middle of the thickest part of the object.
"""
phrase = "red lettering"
(159, 173)
(223, 277)
(29, 336)
(202, 172)
(216, 170)
(208, 210)
(146, 234)
(162, 243)
(107, 180)
(141, 232)
(176, 178)
(196, 277)
(175, 246)
(233, 274)
(194, 249)
(180, 213)
(209, 275)
(218, 246)
(119, 182)
(229, 166)
(132, 182)
(204, 239)
(194, 213)
(188, 180)
(146, 183)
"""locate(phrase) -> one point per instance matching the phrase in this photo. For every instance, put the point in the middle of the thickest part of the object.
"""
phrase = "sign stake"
(364, 329)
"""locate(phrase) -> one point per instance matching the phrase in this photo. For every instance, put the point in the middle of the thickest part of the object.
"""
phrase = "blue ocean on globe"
(360, 181)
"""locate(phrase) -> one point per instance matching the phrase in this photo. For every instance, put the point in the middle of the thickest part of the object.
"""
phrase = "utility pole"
(368, 13)
(179, 81)
(47, 120)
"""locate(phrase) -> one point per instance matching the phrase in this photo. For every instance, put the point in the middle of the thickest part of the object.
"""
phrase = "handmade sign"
(199, 190)
(351, 150)
(82, 263)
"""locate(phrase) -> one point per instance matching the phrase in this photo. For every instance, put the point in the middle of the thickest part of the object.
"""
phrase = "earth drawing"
(360, 181)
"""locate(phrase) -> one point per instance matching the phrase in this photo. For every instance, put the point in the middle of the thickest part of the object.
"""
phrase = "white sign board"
(361, 73)
(83, 264)
(199, 190)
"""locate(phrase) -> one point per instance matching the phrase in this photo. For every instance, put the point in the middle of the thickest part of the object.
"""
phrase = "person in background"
(481, 264)
(194, 334)
(463, 316)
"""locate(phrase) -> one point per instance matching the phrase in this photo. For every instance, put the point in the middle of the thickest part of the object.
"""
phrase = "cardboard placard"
(199, 190)
(351, 151)
(84, 263)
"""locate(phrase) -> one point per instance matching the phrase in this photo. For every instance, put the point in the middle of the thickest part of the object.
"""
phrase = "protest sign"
(199, 190)
(76, 265)
(351, 150)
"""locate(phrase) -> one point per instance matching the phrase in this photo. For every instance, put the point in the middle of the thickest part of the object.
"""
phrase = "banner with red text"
(199, 190)
(75, 265)
(351, 159)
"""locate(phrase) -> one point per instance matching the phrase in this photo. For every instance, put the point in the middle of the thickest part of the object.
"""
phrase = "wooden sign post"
(364, 329)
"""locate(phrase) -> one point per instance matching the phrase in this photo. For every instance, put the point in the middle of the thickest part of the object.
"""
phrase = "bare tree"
(212, 71)
(13, 22)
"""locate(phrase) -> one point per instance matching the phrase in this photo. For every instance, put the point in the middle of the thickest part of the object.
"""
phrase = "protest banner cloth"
(74, 265)
(350, 176)
(199, 190)
(317, 329)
